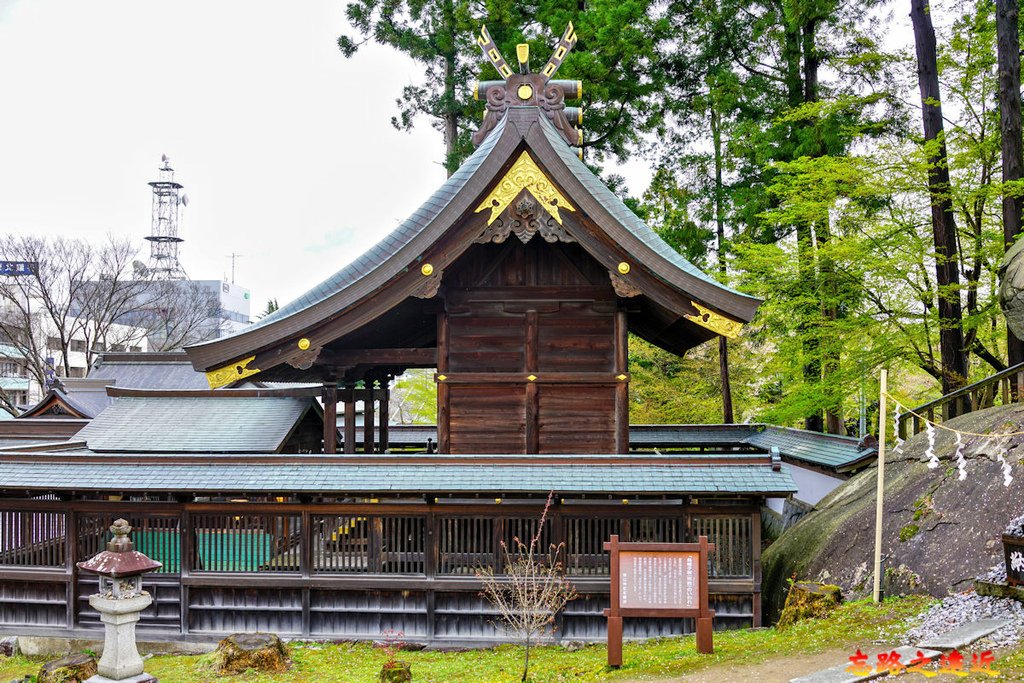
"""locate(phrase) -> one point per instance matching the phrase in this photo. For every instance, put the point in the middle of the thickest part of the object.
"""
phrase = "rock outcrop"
(939, 532)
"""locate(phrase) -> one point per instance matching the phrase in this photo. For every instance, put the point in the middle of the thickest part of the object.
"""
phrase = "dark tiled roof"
(380, 252)
(825, 450)
(614, 206)
(149, 371)
(836, 452)
(839, 453)
(401, 478)
(194, 424)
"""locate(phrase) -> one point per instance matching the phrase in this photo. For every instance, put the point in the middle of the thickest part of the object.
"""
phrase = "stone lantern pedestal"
(120, 602)
(120, 660)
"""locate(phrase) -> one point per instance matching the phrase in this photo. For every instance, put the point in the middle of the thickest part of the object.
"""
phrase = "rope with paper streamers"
(961, 460)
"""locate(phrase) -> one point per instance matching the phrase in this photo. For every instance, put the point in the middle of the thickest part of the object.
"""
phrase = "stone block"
(41, 646)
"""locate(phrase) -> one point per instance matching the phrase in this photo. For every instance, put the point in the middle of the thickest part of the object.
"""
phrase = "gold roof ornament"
(716, 322)
(221, 377)
(525, 175)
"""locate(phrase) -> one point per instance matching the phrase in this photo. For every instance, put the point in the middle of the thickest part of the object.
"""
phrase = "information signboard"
(658, 580)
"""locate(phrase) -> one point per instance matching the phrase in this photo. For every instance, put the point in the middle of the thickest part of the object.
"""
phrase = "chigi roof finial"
(526, 89)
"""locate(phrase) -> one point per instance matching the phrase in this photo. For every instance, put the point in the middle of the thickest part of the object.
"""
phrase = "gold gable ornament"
(221, 377)
(525, 175)
(716, 322)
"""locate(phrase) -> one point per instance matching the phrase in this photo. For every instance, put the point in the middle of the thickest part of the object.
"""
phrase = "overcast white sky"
(284, 146)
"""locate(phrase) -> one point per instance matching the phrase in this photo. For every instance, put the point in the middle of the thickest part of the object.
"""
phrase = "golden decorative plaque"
(224, 376)
(716, 322)
(525, 175)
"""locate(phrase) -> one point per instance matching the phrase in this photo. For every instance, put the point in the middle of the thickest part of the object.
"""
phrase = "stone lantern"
(120, 602)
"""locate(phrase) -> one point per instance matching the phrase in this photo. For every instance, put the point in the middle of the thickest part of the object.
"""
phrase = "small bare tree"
(178, 313)
(533, 589)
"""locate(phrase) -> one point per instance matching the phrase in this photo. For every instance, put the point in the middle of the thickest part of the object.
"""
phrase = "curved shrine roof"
(388, 271)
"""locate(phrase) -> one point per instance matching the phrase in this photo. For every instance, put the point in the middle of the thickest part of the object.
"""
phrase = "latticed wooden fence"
(350, 570)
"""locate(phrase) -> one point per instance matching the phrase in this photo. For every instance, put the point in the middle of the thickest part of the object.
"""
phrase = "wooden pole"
(883, 418)
(614, 617)
(705, 622)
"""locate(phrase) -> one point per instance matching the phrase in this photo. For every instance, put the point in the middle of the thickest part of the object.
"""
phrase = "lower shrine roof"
(615, 475)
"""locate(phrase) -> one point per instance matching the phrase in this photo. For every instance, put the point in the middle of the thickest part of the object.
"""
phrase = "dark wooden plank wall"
(353, 570)
(539, 309)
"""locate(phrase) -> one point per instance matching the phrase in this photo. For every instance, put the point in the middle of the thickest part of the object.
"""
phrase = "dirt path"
(776, 670)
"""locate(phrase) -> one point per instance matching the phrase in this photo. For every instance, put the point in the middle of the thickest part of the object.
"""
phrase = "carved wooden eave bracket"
(716, 322)
(221, 377)
(430, 285)
(622, 286)
(305, 359)
(523, 219)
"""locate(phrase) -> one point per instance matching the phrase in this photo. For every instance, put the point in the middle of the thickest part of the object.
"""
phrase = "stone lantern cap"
(120, 559)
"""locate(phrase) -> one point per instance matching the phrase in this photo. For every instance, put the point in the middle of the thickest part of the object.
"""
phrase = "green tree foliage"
(616, 58)
(788, 159)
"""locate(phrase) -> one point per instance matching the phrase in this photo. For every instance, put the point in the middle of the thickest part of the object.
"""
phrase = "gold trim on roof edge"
(525, 175)
(221, 377)
(716, 322)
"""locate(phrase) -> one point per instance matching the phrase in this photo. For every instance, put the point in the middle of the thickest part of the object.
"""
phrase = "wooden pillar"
(706, 620)
(368, 418)
(532, 398)
(755, 541)
(444, 442)
(186, 540)
(614, 617)
(350, 420)
(330, 398)
(384, 414)
(71, 557)
(622, 388)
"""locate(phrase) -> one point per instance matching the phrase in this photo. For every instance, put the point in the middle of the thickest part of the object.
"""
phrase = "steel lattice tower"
(163, 238)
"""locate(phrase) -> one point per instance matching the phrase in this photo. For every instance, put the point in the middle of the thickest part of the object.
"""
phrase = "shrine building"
(272, 508)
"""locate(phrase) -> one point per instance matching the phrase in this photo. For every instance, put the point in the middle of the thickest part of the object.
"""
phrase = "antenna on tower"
(163, 238)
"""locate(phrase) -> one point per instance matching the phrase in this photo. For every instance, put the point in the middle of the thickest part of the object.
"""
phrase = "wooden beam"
(485, 378)
(298, 392)
(414, 357)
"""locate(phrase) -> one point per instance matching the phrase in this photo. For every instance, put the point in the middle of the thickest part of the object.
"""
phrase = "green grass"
(856, 624)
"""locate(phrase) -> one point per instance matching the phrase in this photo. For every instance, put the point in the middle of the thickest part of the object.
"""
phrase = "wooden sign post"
(658, 580)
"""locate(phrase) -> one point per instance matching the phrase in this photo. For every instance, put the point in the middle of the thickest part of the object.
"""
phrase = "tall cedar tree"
(1008, 50)
(951, 336)
(740, 70)
(616, 58)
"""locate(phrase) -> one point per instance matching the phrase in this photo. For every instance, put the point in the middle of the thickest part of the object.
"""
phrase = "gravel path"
(963, 608)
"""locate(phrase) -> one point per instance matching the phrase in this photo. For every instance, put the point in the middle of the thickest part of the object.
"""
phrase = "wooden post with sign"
(659, 580)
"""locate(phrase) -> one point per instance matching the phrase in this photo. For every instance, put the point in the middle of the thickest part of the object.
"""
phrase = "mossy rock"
(807, 600)
(938, 533)
(399, 672)
(257, 651)
(71, 669)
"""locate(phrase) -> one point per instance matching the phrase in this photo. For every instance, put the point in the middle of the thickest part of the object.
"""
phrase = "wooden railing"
(1002, 388)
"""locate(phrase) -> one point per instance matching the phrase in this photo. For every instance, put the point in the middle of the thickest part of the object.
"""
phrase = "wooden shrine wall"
(530, 345)
(348, 570)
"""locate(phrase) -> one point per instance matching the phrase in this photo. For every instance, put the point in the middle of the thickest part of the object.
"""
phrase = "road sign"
(18, 267)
